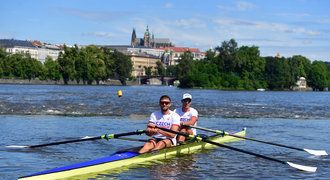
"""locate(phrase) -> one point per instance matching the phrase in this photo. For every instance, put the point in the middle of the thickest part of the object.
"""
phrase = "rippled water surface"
(36, 114)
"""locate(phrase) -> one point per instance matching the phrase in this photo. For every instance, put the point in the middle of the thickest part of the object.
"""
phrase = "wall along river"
(37, 114)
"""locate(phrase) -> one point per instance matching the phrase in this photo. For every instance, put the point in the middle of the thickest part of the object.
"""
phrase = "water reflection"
(182, 167)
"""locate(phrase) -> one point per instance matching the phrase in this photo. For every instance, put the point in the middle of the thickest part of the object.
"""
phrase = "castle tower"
(133, 39)
(146, 38)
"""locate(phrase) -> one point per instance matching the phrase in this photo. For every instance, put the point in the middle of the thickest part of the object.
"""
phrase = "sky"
(287, 27)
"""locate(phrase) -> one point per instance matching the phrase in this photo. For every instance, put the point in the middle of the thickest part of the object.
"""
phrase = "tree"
(108, 62)
(148, 71)
(185, 68)
(250, 67)
(66, 63)
(278, 74)
(226, 59)
(319, 76)
(122, 66)
(3, 58)
(161, 71)
(96, 69)
(299, 67)
(52, 69)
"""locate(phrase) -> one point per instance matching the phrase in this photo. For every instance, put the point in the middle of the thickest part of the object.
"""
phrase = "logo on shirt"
(163, 124)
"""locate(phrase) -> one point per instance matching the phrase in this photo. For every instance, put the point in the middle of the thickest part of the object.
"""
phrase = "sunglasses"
(165, 102)
(186, 100)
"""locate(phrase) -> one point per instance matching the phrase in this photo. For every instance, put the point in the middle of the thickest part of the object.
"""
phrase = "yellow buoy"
(120, 93)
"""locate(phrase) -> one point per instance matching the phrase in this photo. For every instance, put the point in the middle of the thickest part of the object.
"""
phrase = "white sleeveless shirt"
(165, 121)
(186, 116)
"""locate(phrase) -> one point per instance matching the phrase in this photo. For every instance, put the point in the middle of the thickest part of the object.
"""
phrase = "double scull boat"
(130, 157)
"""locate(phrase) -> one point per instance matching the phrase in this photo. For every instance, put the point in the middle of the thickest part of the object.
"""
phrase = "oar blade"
(302, 168)
(316, 152)
(16, 146)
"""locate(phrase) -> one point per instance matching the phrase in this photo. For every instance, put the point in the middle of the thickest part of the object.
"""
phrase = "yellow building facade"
(140, 61)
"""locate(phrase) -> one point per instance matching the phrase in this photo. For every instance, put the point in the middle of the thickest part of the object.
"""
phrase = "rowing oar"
(204, 139)
(105, 136)
(310, 151)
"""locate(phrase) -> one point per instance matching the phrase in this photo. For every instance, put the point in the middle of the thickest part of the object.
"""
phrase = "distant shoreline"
(51, 82)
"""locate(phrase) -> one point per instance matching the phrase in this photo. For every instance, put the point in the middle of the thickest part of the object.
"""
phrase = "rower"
(164, 118)
(188, 116)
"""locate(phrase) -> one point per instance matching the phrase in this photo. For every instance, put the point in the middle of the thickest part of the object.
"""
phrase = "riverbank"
(111, 82)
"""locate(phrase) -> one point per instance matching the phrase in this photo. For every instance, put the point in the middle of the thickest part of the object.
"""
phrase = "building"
(36, 49)
(149, 40)
(172, 54)
(13, 46)
(140, 61)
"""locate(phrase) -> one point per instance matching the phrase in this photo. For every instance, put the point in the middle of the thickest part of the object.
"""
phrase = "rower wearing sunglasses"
(189, 116)
(162, 118)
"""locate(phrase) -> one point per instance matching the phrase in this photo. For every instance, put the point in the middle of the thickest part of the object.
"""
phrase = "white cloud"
(99, 34)
(168, 5)
(101, 16)
(238, 6)
(243, 6)
(265, 26)
(190, 23)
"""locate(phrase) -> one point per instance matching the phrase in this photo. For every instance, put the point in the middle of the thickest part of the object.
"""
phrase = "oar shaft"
(225, 146)
(314, 152)
(244, 151)
(64, 142)
(138, 132)
(296, 166)
(106, 136)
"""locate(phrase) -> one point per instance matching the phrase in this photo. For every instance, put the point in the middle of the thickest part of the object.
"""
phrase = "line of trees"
(83, 65)
(225, 67)
(242, 68)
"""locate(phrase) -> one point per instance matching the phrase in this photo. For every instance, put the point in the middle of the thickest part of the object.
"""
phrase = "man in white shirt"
(163, 118)
(188, 116)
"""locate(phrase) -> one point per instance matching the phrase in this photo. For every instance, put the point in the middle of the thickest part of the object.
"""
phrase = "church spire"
(146, 38)
(133, 39)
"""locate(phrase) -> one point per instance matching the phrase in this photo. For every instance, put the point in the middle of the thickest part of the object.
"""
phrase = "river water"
(37, 114)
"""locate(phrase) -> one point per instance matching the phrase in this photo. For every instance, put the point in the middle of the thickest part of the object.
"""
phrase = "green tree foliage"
(3, 57)
(250, 67)
(185, 70)
(319, 78)
(148, 71)
(226, 60)
(172, 71)
(299, 67)
(122, 66)
(328, 69)
(66, 63)
(109, 62)
(161, 71)
(278, 73)
(225, 67)
(96, 69)
(52, 69)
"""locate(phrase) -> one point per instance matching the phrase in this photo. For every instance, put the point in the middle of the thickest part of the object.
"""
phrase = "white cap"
(186, 96)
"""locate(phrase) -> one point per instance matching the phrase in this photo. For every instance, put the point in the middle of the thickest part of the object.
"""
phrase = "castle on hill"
(149, 40)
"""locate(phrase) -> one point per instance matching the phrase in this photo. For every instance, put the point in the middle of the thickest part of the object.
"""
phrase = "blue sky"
(288, 27)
